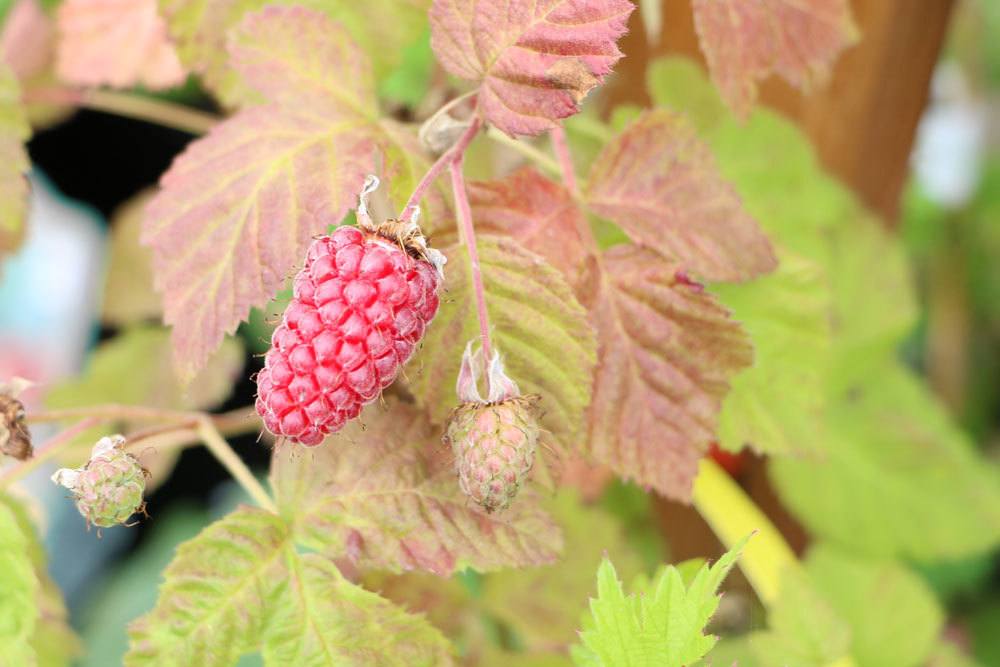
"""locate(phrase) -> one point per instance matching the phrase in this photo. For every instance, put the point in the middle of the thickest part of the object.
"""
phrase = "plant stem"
(46, 451)
(464, 214)
(234, 464)
(561, 148)
(525, 149)
(732, 515)
(455, 152)
(148, 109)
(110, 412)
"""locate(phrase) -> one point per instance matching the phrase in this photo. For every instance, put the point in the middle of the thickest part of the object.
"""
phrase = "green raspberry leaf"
(895, 475)
(216, 594)
(777, 405)
(664, 627)
(53, 640)
(892, 614)
(19, 588)
(804, 629)
(323, 619)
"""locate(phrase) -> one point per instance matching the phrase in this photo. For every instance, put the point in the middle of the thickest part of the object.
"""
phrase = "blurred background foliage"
(895, 576)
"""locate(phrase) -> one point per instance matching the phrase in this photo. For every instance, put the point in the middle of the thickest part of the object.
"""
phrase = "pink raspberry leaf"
(658, 182)
(535, 60)
(119, 43)
(744, 42)
(383, 494)
(238, 208)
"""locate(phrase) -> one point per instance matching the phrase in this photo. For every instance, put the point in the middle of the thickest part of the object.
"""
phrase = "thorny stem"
(464, 214)
(46, 451)
(177, 116)
(561, 148)
(234, 464)
(456, 152)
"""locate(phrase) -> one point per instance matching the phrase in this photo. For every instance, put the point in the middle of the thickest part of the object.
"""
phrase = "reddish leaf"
(238, 208)
(384, 495)
(659, 183)
(745, 42)
(26, 42)
(539, 213)
(668, 350)
(535, 59)
(115, 42)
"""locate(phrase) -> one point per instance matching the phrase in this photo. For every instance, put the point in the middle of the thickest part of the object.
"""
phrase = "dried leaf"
(659, 183)
(238, 208)
(744, 42)
(119, 43)
(534, 60)
(539, 328)
(383, 494)
(668, 352)
(14, 131)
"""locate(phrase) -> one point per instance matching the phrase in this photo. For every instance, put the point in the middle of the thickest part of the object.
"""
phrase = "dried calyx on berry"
(15, 438)
(108, 488)
(360, 306)
(493, 440)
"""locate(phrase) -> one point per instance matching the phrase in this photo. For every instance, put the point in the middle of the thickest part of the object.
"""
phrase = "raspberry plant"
(704, 284)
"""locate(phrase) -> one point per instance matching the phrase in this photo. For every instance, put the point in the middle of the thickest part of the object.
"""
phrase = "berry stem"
(561, 148)
(234, 464)
(464, 214)
(46, 451)
(456, 152)
(151, 110)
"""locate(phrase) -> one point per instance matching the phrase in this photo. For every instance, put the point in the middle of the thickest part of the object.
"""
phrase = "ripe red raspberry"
(360, 306)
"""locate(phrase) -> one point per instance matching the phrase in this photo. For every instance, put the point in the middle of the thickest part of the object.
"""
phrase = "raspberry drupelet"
(360, 306)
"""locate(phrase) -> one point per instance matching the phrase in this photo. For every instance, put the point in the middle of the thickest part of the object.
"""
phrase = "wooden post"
(864, 120)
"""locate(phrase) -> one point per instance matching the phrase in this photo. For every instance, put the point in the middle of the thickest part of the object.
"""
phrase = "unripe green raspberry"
(108, 489)
(493, 440)
(494, 448)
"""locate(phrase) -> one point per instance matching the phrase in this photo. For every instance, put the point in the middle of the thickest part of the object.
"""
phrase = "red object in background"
(730, 462)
